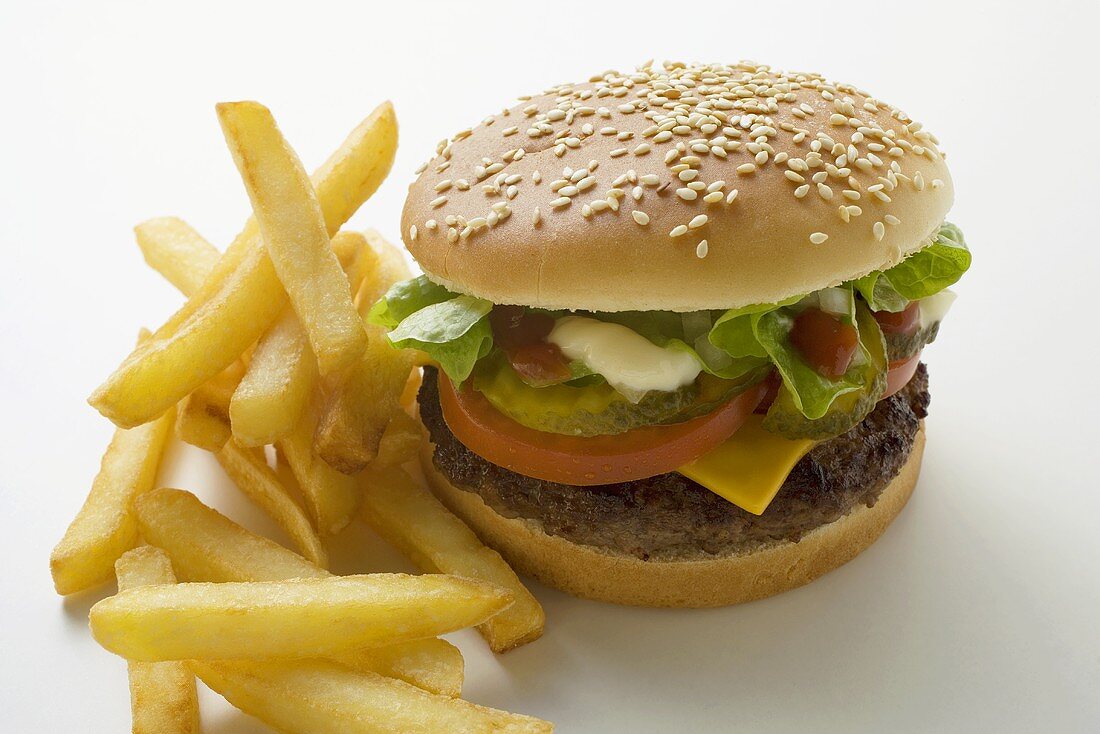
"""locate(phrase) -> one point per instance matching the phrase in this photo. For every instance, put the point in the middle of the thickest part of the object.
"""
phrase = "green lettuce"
(406, 298)
(451, 329)
(850, 399)
(922, 274)
(761, 332)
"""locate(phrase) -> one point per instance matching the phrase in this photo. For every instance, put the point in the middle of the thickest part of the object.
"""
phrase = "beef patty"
(670, 516)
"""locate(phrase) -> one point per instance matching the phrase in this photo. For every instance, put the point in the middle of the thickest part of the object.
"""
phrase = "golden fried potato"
(276, 389)
(294, 232)
(416, 523)
(249, 471)
(297, 618)
(282, 373)
(242, 296)
(163, 699)
(104, 528)
(176, 251)
(332, 497)
(399, 441)
(358, 408)
(321, 698)
(207, 546)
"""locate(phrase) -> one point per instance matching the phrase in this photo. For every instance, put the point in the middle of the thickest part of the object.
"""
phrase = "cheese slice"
(750, 467)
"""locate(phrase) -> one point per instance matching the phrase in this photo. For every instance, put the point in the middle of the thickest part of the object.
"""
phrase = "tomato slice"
(585, 461)
(635, 454)
(900, 373)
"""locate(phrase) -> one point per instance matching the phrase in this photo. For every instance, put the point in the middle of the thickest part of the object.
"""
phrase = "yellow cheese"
(750, 467)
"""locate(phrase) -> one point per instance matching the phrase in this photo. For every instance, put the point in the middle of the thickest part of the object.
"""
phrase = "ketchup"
(903, 322)
(824, 341)
(522, 335)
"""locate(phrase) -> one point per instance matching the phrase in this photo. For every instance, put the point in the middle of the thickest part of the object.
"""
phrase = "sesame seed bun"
(702, 197)
(703, 580)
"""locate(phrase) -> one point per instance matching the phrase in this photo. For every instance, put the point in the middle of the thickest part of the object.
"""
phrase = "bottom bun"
(707, 581)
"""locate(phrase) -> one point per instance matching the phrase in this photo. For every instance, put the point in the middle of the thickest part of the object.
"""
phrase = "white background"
(978, 610)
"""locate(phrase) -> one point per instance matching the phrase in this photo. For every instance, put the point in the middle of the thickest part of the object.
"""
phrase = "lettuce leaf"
(861, 387)
(922, 274)
(451, 329)
(406, 298)
(811, 392)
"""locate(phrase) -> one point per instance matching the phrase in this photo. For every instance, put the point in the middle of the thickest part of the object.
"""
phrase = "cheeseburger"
(673, 322)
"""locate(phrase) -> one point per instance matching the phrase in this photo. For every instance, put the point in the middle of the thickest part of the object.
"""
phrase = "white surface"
(976, 612)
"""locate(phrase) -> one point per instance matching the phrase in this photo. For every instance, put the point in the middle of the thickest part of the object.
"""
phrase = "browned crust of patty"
(704, 581)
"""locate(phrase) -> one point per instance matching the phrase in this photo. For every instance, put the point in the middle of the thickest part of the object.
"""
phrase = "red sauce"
(824, 341)
(903, 322)
(522, 335)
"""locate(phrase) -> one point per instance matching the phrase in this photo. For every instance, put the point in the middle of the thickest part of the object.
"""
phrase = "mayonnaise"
(629, 362)
(934, 307)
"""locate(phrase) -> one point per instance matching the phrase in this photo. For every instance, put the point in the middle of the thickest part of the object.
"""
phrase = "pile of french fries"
(271, 349)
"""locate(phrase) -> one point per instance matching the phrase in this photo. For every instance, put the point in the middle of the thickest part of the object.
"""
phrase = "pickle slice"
(596, 409)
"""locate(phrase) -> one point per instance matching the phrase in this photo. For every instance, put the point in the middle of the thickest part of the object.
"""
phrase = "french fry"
(286, 620)
(204, 414)
(411, 519)
(281, 376)
(163, 699)
(293, 228)
(176, 251)
(399, 441)
(357, 410)
(409, 393)
(332, 497)
(322, 698)
(274, 393)
(356, 257)
(250, 472)
(242, 296)
(203, 424)
(104, 528)
(207, 546)
(394, 267)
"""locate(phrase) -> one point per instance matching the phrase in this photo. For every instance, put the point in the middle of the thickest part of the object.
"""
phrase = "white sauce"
(629, 362)
(934, 308)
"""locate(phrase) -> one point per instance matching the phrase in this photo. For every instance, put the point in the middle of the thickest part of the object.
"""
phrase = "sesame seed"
(698, 221)
(713, 197)
(560, 202)
(818, 238)
(891, 219)
(731, 196)
(879, 230)
(678, 230)
(687, 194)
(702, 249)
(746, 168)
(412, 233)
(438, 202)
(801, 191)
(640, 217)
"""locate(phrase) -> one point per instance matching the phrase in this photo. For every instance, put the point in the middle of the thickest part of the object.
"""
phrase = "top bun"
(677, 187)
